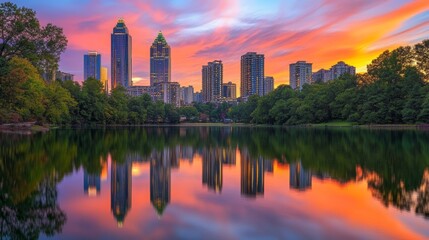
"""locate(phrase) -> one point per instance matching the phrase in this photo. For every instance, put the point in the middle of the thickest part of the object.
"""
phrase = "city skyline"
(227, 33)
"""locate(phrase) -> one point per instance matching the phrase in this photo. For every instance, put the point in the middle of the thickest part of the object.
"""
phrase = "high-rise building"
(121, 190)
(300, 178)
(187, 95)
(92, 65)
(160, 61)
(252, 175)
(212, 79)
(252, 74)
(229, 91)
(268, 85)
(300, 73)
(321, 76)
(121, 52)
(342, 68)
(334, 72)
(104, 79)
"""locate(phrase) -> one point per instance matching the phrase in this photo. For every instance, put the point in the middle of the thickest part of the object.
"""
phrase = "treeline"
(395, 90)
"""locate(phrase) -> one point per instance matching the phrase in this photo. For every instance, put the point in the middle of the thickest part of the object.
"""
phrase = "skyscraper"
(212, 169)
(212, 79)
(160, 61)
(160, 181)
(92, 65)
(300, 73)
(121, 51)
(334, 72)
(187, 95)
(91, 184)
(252, 74)
(229, 90)
(268, 85)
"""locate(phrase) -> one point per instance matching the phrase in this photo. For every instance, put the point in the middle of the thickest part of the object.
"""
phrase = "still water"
(215, 183)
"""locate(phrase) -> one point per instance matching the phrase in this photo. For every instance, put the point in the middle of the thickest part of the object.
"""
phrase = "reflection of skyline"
(121, 188)
(299, 178)
(160, 179)
(212, 169)
(252, 175)
(91, 184)
(228, 156)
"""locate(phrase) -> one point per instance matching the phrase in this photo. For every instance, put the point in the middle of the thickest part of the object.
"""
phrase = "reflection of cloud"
(199, 31)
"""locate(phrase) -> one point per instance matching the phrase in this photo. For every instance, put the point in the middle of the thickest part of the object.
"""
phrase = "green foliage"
(22, 36)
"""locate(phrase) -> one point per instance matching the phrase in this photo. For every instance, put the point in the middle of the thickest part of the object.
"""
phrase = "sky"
(322, 32)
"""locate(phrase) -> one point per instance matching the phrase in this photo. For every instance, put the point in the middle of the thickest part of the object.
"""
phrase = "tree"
(22, 36)
(59, 104)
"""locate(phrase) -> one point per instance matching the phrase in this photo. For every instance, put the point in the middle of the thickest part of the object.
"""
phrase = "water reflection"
(392, 164)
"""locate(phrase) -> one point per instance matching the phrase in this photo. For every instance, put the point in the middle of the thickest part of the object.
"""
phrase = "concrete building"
(92, 65)
(62, 76)
(229, 91)
(252, 74)
(300, 73)
(212, 79)
(198, 97)
(268, 85)
(186, 95)
(169, 92)
(121, 56)
(334, 72)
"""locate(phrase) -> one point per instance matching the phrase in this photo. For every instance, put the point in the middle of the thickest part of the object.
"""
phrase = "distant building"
(342, 68)
(160, 61)
(212, 79)
(198, 98)
(300, 73)
(229, 90)
(187, 95)
(268, 85)
(136, 91)
(62, 76)
(121, 56)
(321, 76)
(170, 92)
(252, 74)
(334, 72)
(300, 178)
(104, 79)
(92, 65)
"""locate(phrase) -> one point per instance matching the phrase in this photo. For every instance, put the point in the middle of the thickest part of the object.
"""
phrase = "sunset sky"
(319, 31)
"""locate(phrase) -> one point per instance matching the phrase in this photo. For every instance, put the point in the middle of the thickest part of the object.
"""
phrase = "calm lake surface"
(215, 183)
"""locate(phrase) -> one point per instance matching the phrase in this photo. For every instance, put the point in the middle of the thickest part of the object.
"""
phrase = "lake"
(215, 183)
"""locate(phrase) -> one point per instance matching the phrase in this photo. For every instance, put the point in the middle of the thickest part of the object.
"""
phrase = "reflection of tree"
(38, 213)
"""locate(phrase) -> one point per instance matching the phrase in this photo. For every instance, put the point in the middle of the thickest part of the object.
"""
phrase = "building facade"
(92, 65)
(334, 72)
(169, 92)
(62, 76)
(160, 61)
(252, 74)
(121, 56)
(229, 91)
(198, 98)
(268, 85)
(300, 73)
(186, 95)
(104, 79)
(212, 79)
